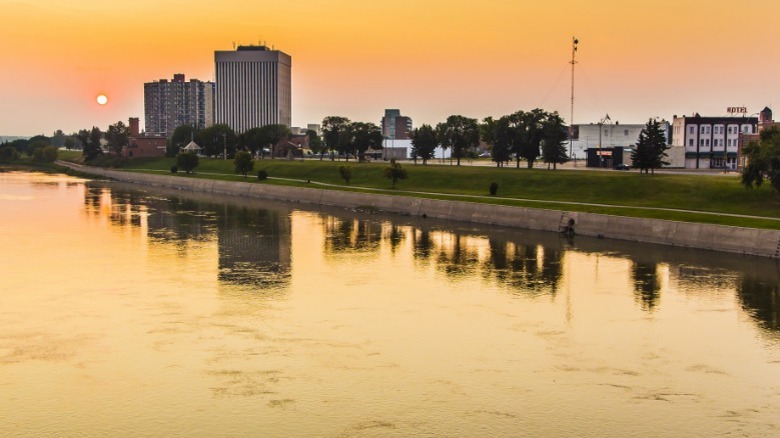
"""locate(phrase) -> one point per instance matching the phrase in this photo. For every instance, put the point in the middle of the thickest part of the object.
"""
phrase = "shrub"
(346, 173)
(187, 161)
(49, 154)
(493, 188)
(394, 172)
(174, 169)
(262, 174)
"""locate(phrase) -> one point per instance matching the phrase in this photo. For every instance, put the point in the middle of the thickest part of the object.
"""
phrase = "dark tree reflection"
(647, 286)
(761, 298)
(530, 268)
(423, 245)
(351, 235)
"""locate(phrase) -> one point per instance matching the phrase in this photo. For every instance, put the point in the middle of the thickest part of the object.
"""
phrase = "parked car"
(622, 166)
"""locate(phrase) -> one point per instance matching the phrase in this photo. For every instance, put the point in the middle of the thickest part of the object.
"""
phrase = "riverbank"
(739, 240)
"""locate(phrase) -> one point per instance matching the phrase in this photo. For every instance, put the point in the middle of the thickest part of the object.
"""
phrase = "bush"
(50, 154)
(174, 169)
(262, 174)
(493, 188)
(187, 161)
(346, 172)
(394, 171)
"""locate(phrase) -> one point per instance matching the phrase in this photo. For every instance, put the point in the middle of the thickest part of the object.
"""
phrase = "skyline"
(477, 59)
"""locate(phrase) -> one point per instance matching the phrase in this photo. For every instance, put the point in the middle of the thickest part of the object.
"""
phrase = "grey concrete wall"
(749, 241)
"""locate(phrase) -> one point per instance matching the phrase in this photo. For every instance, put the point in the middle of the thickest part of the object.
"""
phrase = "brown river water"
(138, 312)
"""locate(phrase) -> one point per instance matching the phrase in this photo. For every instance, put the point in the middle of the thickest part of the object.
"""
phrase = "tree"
(49, 154)
(182, 136)
(117, 136)
(58, 138)
(315, 142)
(275, 134)
(394, 172)
(217, 140)
(424, 142)
(8, 153)
(763, 160)
(90, 141)
(650, 148)
(243, 162)
(458, 133)
(70, 143)
(502, 139)
(187, 161)
(554, 139)
(364, 136)
(334, 132)
(529, 131)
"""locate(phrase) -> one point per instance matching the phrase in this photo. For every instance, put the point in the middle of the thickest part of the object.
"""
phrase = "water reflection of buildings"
(253, 244)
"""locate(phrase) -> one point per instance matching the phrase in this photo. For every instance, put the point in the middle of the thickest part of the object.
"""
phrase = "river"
(130, 311)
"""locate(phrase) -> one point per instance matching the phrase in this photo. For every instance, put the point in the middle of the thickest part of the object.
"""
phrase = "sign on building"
(736, 110)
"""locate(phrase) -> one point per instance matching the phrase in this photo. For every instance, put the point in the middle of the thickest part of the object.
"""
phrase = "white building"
(253, 87)
(711, 142)
(607, 135)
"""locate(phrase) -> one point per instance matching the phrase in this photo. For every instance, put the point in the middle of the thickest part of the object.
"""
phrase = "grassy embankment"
(620, 192)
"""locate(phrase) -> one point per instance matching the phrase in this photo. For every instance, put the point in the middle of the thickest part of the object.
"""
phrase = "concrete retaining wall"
(749, 241)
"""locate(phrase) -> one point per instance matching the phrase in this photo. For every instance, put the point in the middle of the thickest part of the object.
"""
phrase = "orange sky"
(429, 58)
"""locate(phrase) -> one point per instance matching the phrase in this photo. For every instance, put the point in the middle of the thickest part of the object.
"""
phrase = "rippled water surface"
(128, 311)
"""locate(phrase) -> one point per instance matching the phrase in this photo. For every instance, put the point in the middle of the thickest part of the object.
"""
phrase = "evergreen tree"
(650, 148)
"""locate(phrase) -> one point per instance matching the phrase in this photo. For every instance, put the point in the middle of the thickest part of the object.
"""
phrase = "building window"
(690, 142)
(625, 132)
(692, 130)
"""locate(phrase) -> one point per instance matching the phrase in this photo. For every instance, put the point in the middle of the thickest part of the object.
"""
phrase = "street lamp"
(601, 129)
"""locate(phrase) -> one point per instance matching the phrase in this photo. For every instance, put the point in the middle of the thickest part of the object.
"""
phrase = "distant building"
(253, 88)
(139, 146)
(765, 121)
(711, 142)
(395, 126)
(170, 104)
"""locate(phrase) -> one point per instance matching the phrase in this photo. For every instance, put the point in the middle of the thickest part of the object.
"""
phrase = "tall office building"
(168, 105)
(395, 126)
(253, 87)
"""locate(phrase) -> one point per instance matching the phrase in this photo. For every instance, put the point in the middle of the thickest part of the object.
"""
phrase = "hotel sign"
(736, 110)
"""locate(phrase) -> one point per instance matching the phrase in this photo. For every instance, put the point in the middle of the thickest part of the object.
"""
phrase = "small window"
(690, 142)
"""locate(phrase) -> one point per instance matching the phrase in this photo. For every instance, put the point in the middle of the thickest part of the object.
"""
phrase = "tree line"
(523, 135)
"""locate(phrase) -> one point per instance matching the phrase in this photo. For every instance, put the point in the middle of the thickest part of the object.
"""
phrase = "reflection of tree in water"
(254, 246)
(761, 298)
(423, 244)
(351, 235)
(457, 258)
(396, 236)
(647, 285)
(527, 268)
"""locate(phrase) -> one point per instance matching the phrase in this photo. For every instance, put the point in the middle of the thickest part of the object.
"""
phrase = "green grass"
(523, 187)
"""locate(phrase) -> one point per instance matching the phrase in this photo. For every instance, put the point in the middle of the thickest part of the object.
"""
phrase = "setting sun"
(102, 99)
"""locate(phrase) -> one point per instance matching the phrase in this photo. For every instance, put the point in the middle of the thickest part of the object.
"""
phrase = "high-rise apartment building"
(395, 126)
(170, 104)
(253, 87)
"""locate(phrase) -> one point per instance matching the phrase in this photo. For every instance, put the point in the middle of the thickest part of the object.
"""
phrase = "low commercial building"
(711, 142)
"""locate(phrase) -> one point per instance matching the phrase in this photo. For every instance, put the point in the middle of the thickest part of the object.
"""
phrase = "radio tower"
(574, 42)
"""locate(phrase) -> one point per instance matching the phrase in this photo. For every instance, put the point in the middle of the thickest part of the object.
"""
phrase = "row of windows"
(717, 142)
(718, 129)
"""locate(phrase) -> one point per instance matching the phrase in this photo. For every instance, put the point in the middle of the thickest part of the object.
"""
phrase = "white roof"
(192, 146)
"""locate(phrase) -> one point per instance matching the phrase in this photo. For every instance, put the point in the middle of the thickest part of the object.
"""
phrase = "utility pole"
(574, 42)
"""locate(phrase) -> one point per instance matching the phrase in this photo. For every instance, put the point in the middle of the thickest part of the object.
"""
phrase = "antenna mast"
(574, 42)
